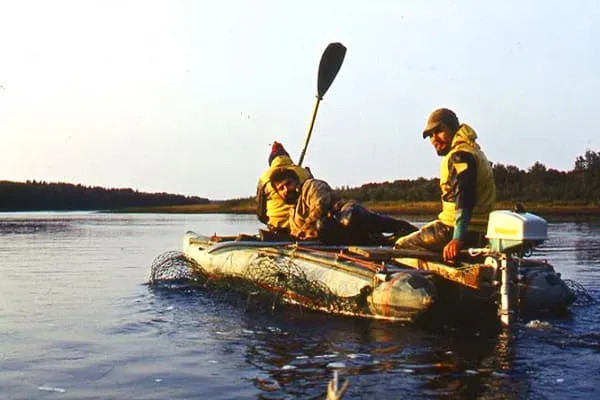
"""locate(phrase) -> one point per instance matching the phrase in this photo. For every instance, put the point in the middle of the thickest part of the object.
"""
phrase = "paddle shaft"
(310, 129)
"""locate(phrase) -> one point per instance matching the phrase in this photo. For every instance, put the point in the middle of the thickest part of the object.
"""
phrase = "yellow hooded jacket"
(484, 190)
(271, 209)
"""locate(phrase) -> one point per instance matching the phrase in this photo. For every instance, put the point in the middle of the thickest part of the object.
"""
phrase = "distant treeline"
(536, 184)
(41, 196)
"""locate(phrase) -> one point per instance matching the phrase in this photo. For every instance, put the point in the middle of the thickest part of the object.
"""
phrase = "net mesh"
(268, 281)
(582, 297)
(171, 266)
(286, 278)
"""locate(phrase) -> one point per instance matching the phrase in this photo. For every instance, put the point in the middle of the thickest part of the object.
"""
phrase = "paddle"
(331, 62)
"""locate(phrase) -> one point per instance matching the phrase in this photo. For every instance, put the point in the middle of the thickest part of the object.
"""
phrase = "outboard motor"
(515, 233)
(512, 234)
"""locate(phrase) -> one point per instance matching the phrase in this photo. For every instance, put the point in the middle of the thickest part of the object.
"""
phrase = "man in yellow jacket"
(467, 188)
(271, 208)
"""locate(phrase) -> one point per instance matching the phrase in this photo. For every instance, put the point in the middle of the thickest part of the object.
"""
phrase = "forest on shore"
(574, 191)
(538, 184)
(539, 188)
(43, 196)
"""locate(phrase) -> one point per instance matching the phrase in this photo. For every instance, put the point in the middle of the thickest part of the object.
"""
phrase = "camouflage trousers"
(434, 236)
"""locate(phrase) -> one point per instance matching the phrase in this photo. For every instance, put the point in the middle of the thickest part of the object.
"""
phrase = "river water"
(77, 321)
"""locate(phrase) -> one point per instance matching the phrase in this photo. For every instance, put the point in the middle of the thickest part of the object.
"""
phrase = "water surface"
(77, 321)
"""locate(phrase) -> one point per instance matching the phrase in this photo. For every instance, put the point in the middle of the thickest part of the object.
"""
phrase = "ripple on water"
(77, 316)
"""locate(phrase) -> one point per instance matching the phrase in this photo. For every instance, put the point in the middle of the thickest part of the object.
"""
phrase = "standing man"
(467, 186)
(271, 208)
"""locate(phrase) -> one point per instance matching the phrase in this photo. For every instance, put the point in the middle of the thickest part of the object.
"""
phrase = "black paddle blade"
(331, 62)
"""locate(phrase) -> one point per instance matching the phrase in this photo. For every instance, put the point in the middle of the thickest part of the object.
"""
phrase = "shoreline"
(422, 209)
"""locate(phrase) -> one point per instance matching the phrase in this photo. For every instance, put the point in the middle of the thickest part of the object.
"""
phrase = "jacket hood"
(465, 135)
(281, 161)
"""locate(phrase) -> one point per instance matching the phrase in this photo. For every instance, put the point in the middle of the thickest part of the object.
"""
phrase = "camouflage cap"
(440, 116)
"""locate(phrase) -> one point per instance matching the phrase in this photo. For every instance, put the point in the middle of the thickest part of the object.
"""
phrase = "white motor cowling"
(511, 232)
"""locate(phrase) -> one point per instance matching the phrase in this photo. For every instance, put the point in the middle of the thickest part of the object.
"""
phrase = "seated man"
(271, 209)
(467, 187)
(319, 214)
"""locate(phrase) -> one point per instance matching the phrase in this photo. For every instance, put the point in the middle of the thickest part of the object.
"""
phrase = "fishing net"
(284, 277)
(582, 297)
(268, 281)
(171, 266)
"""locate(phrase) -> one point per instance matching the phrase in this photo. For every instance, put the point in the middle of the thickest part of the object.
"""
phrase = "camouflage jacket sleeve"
(261, 203)
(315, 203)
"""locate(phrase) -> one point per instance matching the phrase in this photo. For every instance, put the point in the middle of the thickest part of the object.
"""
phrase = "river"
(78, 321)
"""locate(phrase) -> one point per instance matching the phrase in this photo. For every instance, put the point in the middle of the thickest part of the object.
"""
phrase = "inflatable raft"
(384, 283)
(314, 276)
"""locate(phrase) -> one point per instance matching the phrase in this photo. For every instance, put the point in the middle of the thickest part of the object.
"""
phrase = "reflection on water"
(295, 351)
(29, 227)
(75, 315)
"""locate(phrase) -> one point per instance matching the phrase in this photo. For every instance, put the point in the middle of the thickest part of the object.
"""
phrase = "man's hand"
(452, 249)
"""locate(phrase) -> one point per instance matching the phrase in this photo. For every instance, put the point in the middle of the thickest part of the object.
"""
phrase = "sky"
(186, 97)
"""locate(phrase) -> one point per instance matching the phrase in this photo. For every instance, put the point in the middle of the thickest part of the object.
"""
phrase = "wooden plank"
(382, 253)
(475, 276)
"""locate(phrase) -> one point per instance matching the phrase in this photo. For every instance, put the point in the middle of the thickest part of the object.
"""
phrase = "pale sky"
(186, 96)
